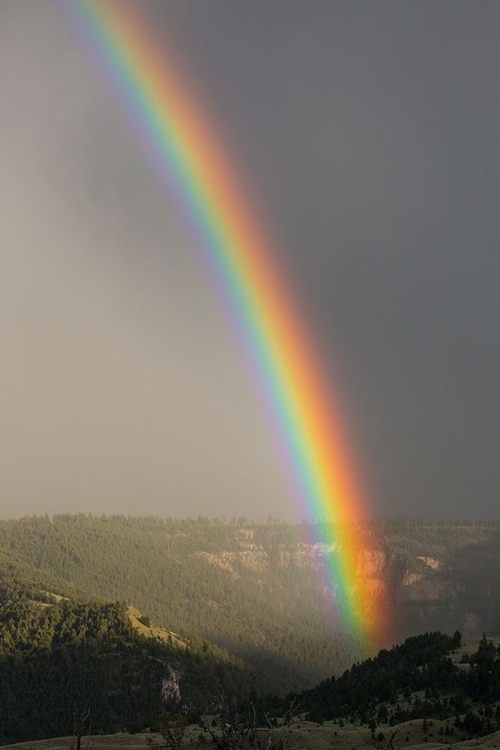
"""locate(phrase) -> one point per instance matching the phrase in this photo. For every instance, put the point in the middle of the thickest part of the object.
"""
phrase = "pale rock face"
(410, 579)
(251, 558)
(223, 560)
(431, 562)
(371, 568)
(372, 563)
(418, 590)
(170, 688)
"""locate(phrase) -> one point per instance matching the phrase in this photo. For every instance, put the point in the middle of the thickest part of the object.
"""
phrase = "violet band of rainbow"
(298, 399)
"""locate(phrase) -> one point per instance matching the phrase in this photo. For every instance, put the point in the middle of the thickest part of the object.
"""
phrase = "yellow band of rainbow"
(297, 395)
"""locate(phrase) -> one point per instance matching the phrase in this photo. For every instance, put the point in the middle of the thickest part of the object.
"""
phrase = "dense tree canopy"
(58, 657)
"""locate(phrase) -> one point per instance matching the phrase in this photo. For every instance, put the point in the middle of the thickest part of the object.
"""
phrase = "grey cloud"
(367, 137)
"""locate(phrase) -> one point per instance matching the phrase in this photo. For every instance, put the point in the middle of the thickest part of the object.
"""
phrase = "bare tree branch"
(239, 730)
(82, 726)
(388, 744)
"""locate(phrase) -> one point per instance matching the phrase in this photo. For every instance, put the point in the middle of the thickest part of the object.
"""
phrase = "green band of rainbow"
(187, 153)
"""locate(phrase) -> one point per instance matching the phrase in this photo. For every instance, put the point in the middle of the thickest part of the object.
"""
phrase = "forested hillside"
(58, 657)
(416, 681)
(61, 659)
(253, 588)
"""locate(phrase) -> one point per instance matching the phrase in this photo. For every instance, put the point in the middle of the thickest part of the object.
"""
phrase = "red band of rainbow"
(297, 396)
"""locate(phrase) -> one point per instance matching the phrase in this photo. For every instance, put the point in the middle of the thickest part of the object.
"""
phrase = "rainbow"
(297, 396)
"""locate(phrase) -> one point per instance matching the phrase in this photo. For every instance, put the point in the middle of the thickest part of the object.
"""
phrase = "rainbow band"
(297, 397)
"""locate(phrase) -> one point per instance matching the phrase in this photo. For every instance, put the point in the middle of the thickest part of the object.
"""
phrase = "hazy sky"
(366, 134)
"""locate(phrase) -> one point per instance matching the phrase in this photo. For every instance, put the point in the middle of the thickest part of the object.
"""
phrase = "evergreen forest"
(129, 615)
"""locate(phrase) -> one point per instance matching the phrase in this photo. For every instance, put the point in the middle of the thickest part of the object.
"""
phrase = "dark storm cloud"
(367, 137)
(371, 131)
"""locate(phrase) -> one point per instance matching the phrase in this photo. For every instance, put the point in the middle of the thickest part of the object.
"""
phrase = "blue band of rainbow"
(297, 397)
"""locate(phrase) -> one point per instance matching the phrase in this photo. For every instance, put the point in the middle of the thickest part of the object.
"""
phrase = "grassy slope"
(309, 735)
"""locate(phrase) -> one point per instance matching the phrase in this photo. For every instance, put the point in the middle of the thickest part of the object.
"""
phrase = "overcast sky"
(366, 135)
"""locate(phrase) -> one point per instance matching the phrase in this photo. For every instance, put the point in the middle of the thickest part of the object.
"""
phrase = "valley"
(129, 614)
